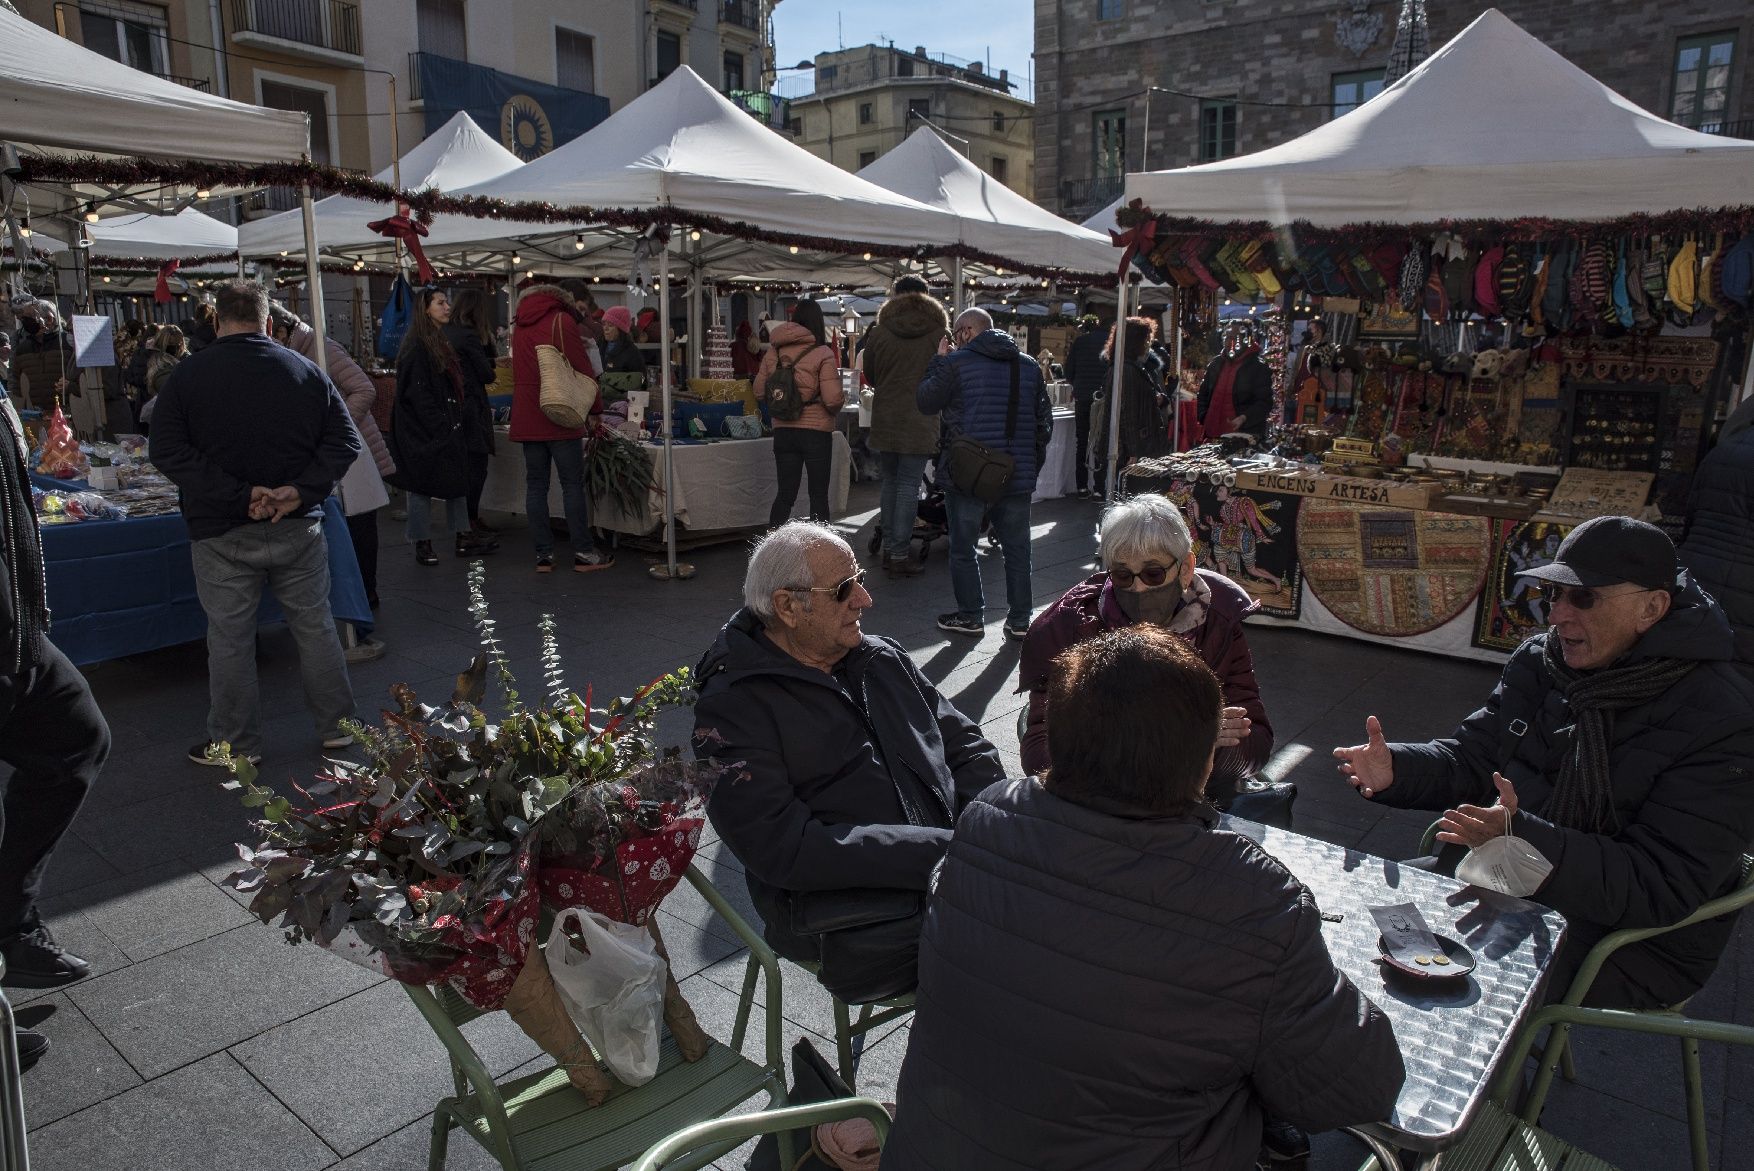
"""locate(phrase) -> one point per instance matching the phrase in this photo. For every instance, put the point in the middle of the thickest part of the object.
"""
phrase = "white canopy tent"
(1445, 143)
(456, 155)
(993, 218)
(189, 233)
(1104, 221)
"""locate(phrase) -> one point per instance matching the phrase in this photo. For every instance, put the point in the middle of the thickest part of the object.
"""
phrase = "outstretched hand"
(1368, 767)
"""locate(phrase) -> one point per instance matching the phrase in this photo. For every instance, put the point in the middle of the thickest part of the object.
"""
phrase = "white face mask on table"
(1508, 865)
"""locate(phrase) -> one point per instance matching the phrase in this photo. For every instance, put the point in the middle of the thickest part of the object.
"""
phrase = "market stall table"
(1451, 1033)
(124, 587)
(1059, 468)
(721, 485)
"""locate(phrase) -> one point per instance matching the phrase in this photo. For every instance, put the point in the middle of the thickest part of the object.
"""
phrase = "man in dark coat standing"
(51, 734)
(853, 766)
(1087, 370)
(1718, 547)
(897, 351)
(987, 391)
(1620, 744)
(256, 436)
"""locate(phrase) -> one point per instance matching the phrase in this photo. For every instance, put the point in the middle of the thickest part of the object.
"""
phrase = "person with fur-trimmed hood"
(548, 315)
(897, 351)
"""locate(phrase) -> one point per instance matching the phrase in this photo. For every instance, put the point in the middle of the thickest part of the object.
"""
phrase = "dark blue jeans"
(900, 500)
(1010, 519)
(567, 458)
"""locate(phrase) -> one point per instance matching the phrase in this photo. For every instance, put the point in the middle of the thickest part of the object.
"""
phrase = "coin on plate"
(1422, 960)
(1440, 961)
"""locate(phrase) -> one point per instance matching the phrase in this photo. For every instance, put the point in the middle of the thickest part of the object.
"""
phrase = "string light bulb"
(578, 242)
(516, 259)
(24, 226)
(867, 256)
(203, 193)
(283, 252)
(794, 250)
(596, 280)
(106, 280)
(90, 214)
(694, 235)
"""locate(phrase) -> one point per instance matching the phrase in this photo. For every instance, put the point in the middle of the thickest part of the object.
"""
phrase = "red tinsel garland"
(1525, 229)
(428, 202)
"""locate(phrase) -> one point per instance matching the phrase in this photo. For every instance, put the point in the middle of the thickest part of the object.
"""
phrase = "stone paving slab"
(203, 1041)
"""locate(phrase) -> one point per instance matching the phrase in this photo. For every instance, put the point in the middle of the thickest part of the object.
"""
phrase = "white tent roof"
(456, 155)
(1103, 221)
(162, 237)
(54, 93)
(1450, 141)
(994, 219)
(682, 146)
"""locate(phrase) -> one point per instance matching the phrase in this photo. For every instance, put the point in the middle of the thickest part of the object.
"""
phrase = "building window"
(1001, 168)
(826, 74)
(998, 121)
(865, 115)
(904, 67)
(919, 108)
(734, 71)
(669, 54)
(1702, 80)
(1352, 90)
(575, 61)
(1110, 9)
(795, 127)
(866, 158)
(440, 26)
(137, 39)
(313, 102)
(1108, 134)
(1217, 129)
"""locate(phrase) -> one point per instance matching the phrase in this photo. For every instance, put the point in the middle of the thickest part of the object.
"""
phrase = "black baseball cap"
(1613, 549)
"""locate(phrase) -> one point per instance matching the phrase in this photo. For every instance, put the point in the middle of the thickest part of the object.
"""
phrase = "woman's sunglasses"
(841, 590)
(1581, 597)
(1152, 575)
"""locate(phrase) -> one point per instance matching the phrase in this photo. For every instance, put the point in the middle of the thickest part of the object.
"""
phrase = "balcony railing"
(742, 13)
(200, 83)
(321, 24)
(1740, 129)
(268, 200)
(1089, 194)
(769, 109)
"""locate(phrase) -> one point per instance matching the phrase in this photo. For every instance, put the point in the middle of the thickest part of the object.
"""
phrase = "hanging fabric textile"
(393, 324)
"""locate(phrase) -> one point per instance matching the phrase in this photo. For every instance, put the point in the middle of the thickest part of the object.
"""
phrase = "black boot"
(475, 544)
(423, 553)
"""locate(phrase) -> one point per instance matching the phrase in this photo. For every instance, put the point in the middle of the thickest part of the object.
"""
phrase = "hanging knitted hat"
(1736, 271)
(1711, 290)
(1592, 292)
(1635, 294)
(1437, 305)
(1486, 281)
(1684, 279)
(1514, 281)
(1543, 269)
(1458, 276)
(1554, 301)
(1621, 298)
(1656, 270)
(1414, 269)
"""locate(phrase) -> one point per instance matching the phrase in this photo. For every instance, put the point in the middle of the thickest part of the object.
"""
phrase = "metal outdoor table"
(1451, 1038)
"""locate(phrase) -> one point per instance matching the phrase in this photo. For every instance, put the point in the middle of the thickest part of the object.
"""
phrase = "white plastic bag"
(614, 990)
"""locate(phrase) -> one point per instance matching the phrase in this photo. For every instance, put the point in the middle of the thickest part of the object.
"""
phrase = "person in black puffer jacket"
(1108, 980)
(1622, 741)
(1719, 543)
(1087, 370)
(853, 766)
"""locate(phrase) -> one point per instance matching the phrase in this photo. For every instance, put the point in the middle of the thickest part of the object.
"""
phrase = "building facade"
(862, 102)
(1304, 62)
(534, 81)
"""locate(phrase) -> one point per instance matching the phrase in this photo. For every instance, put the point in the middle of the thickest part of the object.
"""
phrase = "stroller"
(931, 522)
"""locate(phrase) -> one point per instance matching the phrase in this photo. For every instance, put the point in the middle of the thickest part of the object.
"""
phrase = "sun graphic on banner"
(524, 128)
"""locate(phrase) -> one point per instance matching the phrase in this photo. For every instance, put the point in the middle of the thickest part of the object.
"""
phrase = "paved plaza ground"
(203, 1041)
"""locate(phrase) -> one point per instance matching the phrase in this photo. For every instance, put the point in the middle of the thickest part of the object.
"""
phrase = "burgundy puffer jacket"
(540, 307)
(1089, 609)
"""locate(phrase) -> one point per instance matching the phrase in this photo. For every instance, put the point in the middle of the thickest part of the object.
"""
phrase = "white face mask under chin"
(1508, 865)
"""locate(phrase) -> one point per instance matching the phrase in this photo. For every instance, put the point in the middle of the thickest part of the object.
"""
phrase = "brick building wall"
(1292, 52)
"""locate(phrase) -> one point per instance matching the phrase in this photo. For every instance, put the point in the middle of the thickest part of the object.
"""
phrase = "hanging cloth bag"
(567, 394)
(393, 324)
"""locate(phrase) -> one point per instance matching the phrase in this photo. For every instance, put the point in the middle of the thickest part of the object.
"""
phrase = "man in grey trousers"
(256, 437)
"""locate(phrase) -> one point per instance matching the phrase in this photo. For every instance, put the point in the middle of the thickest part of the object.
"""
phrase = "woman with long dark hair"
(427, 432)
(470, 333)
(806, 443)
(1144, 427)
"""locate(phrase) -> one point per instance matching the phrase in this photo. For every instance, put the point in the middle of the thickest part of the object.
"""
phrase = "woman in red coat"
(1150, 577)
(547, 315)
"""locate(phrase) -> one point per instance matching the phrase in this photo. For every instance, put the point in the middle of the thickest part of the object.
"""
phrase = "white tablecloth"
(1059, 470)
(727, 484)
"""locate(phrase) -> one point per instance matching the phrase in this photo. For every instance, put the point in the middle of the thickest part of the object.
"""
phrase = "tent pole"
(314, 276)
(694, 335)
(1175, 406)
(665, 376)
(955, 287)
(1117, 359)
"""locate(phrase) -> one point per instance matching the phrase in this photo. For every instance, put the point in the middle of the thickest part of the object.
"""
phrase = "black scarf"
(1583, 796)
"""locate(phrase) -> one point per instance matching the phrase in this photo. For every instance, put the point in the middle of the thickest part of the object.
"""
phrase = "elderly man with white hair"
(853, 767)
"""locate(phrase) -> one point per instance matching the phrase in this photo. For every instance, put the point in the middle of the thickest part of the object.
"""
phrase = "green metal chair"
(747, 1126)
(1555, 1056)
(14, 1144)
(847, 1031)
(539, 1123)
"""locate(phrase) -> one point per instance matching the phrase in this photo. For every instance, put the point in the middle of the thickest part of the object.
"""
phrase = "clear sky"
(970, 29)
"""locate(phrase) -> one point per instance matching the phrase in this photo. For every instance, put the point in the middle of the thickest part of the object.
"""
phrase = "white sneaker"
(364, 651)
(338, 740)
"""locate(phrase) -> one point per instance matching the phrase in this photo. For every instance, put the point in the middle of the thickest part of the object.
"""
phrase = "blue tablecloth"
(123, 587)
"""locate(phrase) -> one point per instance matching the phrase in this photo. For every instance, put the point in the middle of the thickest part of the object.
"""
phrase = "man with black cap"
(1619, 746)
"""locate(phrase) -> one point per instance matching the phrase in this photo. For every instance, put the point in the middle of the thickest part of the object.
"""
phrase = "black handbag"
(868, 939)
(813, 1080)
(978, 470)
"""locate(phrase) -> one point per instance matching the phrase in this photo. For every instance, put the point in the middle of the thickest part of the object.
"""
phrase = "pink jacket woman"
(357, 391)
(816, 371)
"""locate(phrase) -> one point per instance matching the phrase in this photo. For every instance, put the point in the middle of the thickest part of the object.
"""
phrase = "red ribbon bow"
(404, 227)
(161, 292)
(1134, 240)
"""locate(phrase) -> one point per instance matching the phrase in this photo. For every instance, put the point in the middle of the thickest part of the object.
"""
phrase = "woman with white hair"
(1149, 576)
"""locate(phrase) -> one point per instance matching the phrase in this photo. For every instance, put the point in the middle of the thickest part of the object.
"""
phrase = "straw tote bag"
(567, 394)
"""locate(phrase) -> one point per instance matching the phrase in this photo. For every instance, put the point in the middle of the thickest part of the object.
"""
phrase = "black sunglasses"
(1152, 575)
(841, 590)
(1581, 597)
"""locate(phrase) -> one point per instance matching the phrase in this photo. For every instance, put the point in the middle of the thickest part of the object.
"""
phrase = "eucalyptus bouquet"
(433, 860)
